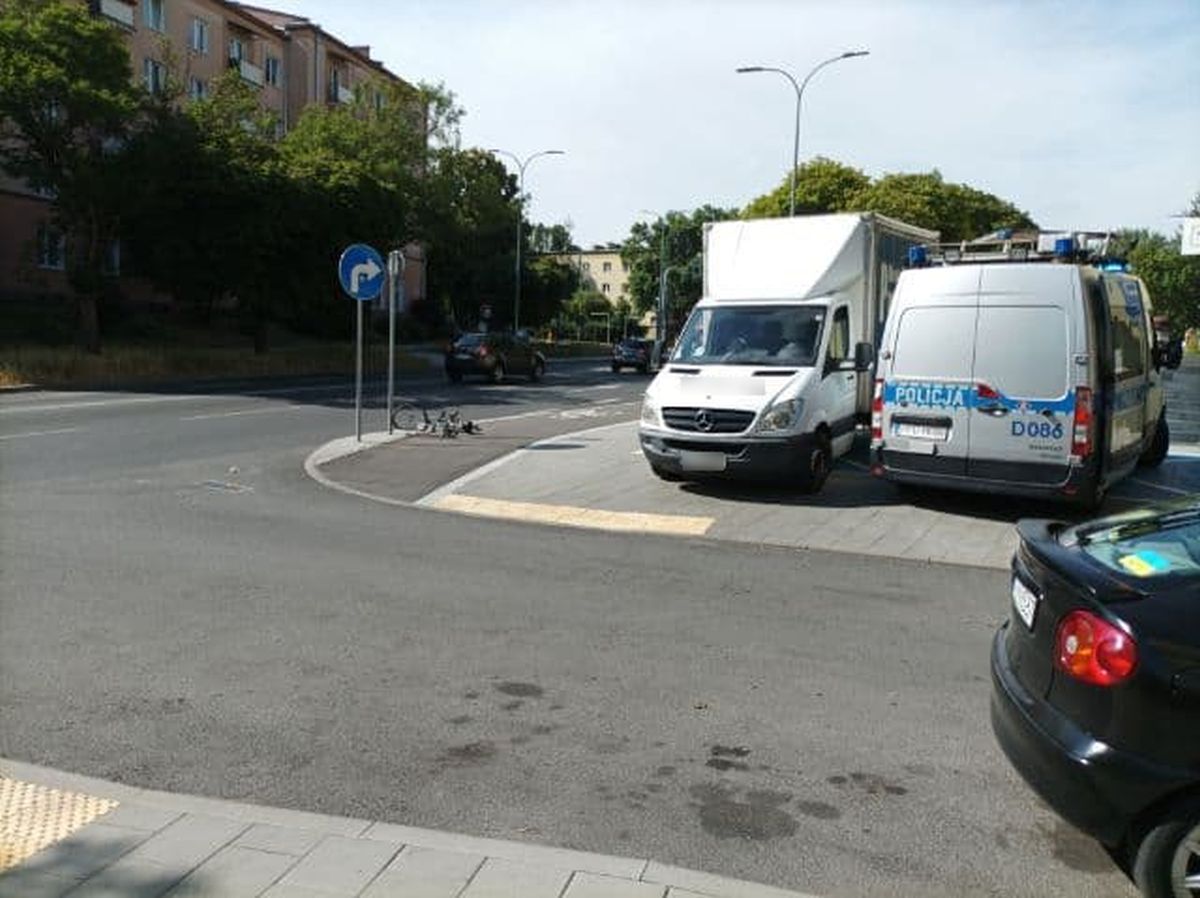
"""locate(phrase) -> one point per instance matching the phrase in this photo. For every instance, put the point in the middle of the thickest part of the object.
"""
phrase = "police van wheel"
(1159, 445)
(820, 461)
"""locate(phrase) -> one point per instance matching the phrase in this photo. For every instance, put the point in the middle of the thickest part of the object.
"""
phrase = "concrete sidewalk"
(67, 835)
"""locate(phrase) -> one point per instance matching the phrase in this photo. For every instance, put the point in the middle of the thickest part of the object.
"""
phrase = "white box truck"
(771, 371)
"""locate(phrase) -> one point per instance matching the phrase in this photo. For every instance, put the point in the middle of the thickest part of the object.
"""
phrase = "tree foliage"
(822, 185)
(677, 239)
(926, 199)
(68, 106)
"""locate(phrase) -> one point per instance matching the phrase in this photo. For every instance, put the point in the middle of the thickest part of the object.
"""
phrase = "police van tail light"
(877, 412)
(1081, 433)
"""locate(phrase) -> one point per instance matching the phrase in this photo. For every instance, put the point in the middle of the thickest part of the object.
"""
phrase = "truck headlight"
(782, 415)
(650, 412)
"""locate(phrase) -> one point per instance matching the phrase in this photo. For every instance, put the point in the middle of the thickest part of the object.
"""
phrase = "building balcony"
(251, 72)
(119, 11)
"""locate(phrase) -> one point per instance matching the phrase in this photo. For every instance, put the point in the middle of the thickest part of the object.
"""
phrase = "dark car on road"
(1096, 684)
(494, 356)
(632, 352)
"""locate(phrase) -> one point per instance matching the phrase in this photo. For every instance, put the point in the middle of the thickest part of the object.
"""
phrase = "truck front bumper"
(734, 458)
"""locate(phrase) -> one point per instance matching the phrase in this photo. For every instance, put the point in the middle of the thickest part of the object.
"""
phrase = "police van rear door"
(927, 387)
(1024, 399)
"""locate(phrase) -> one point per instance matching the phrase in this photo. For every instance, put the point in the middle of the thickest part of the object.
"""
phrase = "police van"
(1020, 366)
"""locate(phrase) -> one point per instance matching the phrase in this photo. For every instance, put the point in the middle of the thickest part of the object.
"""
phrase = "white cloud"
(1085, 115)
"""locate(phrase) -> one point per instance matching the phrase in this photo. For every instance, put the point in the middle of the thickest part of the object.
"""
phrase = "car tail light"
(877, 412)
(1092, 650)
(1081, 434)
(481, 352)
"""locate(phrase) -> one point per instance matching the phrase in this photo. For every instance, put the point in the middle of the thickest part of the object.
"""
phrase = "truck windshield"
(751, 335)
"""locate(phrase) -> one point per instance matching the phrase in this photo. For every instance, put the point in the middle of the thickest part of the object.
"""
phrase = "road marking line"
(574, 516)
(591, 389)
(1163, 487)
(249, 411)
(40, 433)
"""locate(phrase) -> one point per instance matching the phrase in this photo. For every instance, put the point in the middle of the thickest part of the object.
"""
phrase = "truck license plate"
(702, 461)
(1025, 601)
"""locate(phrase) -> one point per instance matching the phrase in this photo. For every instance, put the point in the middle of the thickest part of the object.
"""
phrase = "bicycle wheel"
(406, 416)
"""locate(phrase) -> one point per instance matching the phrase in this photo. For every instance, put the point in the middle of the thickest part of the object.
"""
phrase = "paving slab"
(425, 873)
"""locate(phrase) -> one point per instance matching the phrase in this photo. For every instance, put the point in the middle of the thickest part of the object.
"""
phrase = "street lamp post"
(521, 218)
(799, 88)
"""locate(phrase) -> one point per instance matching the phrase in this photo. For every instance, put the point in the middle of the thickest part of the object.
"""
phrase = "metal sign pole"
(358, 377)
(395, 298)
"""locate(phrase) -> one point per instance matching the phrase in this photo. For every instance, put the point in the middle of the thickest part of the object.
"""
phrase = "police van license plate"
(1025, 601)
(921, 431)
(702, 461)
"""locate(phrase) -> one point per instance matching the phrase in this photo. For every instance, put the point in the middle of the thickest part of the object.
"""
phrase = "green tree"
(469, 224)
(682, 236)
(68, 105)
(958, 211)
(822, 185)
(1172, 278)
(550, 239)
(546, 284)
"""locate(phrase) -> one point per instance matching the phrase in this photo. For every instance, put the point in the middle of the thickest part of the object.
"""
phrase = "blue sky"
(1085, 114)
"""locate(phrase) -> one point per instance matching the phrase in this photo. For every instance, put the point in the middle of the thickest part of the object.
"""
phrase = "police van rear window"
(1022, 351)
(935, 342)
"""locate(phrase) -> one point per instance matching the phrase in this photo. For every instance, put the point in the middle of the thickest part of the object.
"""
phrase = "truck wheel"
(819, 463)
(1167, 861)
(1160, 443)
(663, 474)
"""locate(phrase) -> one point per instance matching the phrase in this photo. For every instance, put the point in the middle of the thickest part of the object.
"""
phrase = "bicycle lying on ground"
(448, 424)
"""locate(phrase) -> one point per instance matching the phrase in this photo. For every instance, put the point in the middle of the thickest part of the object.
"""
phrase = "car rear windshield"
(1154, 545)
(752, 335)
(467, 341)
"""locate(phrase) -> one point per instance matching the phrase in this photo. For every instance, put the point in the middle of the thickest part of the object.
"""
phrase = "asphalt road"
(182, 608)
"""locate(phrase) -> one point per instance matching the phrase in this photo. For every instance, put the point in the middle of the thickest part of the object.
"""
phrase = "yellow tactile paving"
(572, 516)
(33, 817)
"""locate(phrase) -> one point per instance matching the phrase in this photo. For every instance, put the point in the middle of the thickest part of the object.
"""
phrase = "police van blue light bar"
(917, 256)
(1064, 246)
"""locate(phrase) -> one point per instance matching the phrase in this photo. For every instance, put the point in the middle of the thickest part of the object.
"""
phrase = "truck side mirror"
(864, 356)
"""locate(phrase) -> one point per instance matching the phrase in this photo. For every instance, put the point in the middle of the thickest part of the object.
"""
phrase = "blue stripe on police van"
(916, 394)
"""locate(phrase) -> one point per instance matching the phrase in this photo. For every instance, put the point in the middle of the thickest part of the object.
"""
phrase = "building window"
(199, 37)
(587, 266)
(51, 248)
(605, 288)
(154, 14)
(154, 76)
(379, 102)
(607, 267)
(271, 70)
(237, 50)
(197, 88)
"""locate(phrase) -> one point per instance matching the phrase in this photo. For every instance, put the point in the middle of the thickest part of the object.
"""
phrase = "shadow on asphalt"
(852, 486)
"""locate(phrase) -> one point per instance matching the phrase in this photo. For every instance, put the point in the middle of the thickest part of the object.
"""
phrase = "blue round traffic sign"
(361, 272)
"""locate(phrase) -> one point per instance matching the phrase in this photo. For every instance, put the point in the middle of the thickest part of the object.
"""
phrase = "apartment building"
(599, 269)
(291, 61)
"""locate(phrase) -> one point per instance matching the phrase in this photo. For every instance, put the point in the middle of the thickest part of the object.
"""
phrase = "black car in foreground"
(633, 352)
(1096, 684)
(494, 356)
